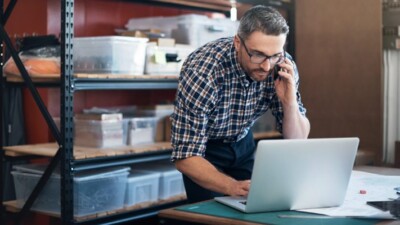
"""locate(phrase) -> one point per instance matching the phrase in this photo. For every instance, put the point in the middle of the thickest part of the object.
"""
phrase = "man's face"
(258, 45)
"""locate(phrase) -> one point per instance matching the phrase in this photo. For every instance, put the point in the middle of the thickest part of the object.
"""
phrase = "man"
(224, 87)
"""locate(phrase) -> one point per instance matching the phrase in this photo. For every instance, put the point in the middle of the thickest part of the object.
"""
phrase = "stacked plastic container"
(94, 192)
(146, 124)
(142, 187)
(170, 183)
(141, 130)
(110, 55)
(177, 53)
(191, 29)
(197, 30)
(99, 133)
(163, 23)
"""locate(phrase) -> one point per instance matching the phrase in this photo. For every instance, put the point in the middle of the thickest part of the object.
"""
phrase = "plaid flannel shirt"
(216, 100)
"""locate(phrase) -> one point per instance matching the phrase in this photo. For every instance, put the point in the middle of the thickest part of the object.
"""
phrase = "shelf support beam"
(2, 154)
(8, 11)
(66, 109)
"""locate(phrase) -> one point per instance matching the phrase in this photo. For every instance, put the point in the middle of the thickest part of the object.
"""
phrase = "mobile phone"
(276, 69)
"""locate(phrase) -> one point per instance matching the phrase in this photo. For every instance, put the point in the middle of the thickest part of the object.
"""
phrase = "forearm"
(206, 175)
(295, 125)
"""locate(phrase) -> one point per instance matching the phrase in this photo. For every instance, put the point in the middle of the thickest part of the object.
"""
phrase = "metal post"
(2, 155)
(8, 11)
(67, 85)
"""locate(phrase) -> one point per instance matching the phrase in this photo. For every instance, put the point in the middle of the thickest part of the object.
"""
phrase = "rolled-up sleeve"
(195, 99)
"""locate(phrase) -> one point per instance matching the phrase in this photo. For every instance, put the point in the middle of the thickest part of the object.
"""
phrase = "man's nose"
(266, 65)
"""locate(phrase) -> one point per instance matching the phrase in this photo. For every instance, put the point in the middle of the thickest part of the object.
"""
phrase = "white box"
(96, 125)
(141, 130)
(94, 192)
(171, 181)
(98, 133)
(110, 54)
(153, 67)
(161, 113)
(142, 187)
(197, 32)
(99, 138)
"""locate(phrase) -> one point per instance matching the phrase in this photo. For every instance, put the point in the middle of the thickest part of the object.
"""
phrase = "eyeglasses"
(260, 58)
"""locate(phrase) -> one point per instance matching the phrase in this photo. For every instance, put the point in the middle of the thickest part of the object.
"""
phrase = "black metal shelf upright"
(64, 137)
(66, 118)
(2, 154)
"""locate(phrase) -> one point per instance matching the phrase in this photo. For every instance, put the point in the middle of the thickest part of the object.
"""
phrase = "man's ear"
(236, 42)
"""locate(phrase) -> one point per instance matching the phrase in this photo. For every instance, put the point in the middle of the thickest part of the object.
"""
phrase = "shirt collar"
(239, 72)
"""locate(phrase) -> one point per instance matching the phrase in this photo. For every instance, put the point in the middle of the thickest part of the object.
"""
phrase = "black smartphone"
(276, 69)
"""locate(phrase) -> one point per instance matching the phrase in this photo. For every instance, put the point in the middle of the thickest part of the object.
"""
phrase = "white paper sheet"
(376, 188)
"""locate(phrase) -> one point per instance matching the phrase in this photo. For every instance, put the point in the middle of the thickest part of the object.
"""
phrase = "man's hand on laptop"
(239, 188)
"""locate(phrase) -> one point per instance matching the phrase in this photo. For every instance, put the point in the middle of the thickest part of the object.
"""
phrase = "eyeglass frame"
(266, 56)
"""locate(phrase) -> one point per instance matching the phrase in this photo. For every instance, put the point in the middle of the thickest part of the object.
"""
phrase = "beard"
(259, 74)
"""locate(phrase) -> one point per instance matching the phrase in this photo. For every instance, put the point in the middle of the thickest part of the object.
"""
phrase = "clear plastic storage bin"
(94, 192)
(99, 133)
(161, 113)
(110, 54)
(197, 32)
(172, 67)
(171, 181)
(99, 138)
(163, 23)
(141, 130)
(142, 187)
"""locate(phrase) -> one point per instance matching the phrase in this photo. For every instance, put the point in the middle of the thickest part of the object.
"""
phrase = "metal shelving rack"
(64, 136)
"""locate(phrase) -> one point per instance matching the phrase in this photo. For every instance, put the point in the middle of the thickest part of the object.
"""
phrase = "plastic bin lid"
(163, 168)
(92, 174)
(108, 38)
(113, 171)
(141, 173)
(33, 168)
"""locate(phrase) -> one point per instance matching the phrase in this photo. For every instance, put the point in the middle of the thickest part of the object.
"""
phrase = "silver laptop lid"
(298, 174)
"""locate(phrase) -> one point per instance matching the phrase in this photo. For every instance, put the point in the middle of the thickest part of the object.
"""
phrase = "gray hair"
(264, 19)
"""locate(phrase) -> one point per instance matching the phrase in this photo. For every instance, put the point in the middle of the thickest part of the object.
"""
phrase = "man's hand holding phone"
(285, 84)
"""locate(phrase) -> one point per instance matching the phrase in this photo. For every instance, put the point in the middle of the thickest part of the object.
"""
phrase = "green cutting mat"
(214, 208)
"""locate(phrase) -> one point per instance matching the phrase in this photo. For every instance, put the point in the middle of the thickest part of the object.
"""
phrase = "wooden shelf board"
(39, 79)
(56, 77)
(49, 150)
(126, 76)
(11, 206)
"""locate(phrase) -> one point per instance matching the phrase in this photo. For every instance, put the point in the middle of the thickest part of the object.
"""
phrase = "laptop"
(298, 174)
